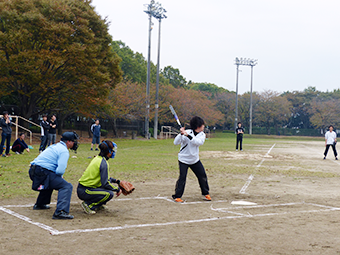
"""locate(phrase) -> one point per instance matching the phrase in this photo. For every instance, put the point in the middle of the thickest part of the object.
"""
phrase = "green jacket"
(96, 175)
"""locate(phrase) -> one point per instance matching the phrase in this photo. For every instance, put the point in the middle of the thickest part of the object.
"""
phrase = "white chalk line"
(225, 210)
(251, 177)
(276, 205)
(26, 219)
(238, 215)
(57, 232)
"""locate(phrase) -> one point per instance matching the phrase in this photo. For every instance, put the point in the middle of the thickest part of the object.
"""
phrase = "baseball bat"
(175, 115)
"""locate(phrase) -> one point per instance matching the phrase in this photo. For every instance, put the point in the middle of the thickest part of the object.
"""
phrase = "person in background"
(95, 129)
(19, 145)
(6, 126)
(45, 126)
(330, 140)
(239, 137)
(52, 133)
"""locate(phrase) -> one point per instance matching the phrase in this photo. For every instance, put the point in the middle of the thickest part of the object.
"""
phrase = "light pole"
(251, 63)
(236, 104)
(159, 14)
(149, 11)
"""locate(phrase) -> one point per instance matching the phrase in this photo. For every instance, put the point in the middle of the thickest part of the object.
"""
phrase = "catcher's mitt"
(126, 187)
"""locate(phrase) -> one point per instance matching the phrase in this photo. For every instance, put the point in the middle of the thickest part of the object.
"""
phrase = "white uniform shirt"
(189, 152)
(330, 137)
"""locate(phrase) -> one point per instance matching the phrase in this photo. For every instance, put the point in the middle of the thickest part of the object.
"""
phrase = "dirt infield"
(297, 211)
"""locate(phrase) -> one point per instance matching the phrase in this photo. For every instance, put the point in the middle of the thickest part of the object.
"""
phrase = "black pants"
(5, 137)
(239, 138)
(18, 148)
(199, 171)
(43, 144)
(334, 150)
(94, 197)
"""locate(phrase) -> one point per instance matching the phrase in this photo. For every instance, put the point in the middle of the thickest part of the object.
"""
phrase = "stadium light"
(159, 14)
(251, 63)
(150, 8)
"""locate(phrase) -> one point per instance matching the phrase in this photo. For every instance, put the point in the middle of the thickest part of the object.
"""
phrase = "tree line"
(57, 56)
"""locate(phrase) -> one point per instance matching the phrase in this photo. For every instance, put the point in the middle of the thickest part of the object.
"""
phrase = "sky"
(296, 42)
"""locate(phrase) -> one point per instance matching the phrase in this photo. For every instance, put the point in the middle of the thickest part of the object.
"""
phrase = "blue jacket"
(95, 129)
(54, 158)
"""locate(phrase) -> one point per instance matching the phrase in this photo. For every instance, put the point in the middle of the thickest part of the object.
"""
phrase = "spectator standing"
(45, 126)
(19, 145)
(95, 129)
(52, 133)
(6, 126)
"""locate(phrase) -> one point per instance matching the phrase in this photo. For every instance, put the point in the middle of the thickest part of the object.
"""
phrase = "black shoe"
(41, 207)
(62, 216)
(324, 157)
(336, 158)
(96, 149)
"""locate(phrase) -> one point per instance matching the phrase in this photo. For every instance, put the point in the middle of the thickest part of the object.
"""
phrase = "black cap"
(69, 136)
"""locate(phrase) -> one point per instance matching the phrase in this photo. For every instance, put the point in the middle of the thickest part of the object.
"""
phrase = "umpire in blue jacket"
(47, 171)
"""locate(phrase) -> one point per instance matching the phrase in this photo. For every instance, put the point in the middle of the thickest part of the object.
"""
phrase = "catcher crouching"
(95, 186)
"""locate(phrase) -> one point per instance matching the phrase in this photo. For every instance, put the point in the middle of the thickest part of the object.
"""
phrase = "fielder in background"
(239, 137)
(6, 126)
(19, 145)
(330, 140)
(188, 156)
(95, 186)
(47, 172)
(95, 129)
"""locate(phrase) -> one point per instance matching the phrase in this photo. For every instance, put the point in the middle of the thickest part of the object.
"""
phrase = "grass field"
(296, 192)
(139, 161)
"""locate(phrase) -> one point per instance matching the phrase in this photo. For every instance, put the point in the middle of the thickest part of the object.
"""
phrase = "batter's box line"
(228, 210)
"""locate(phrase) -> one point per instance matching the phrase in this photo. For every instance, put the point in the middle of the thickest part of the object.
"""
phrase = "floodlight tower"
(150, 10)
(251, 63)
(159, 14)
(237, 63)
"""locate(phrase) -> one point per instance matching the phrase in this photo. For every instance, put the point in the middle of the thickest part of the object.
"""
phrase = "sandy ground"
(297, 212)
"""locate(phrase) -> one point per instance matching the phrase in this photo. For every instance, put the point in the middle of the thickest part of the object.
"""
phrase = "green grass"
(143, 160)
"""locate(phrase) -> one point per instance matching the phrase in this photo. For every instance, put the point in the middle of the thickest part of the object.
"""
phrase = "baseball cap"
(69, 136)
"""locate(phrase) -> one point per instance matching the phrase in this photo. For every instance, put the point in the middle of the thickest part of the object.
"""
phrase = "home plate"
(242, 203)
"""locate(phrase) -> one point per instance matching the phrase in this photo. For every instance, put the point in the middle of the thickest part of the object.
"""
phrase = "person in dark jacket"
(45, 126)
(6, 126)
(52, 133)
(19, 145)
(239, 137)
(95, 129)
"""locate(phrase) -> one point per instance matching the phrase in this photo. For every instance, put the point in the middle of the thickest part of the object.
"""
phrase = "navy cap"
(69, 136)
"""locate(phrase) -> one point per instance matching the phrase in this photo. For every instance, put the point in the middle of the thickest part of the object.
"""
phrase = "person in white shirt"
(188, 156)
(330, 140)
